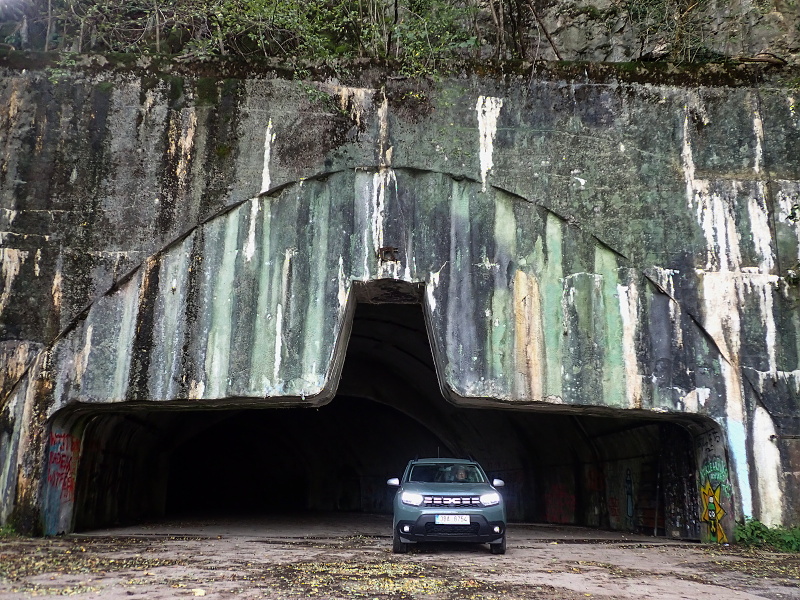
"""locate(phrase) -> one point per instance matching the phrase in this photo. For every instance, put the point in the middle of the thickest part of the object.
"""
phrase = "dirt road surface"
(349, 556)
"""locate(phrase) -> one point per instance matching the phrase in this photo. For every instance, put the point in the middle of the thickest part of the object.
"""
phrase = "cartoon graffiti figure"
(713, 512)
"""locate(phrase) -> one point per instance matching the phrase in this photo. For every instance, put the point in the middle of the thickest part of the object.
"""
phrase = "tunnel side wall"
(582, 242)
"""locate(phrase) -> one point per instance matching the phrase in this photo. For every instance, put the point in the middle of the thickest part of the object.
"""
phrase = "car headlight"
(490, 499)
(411, 498)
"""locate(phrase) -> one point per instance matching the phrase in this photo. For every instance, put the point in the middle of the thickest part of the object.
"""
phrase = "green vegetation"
(8, 531)
(754, 533)
(417, 35)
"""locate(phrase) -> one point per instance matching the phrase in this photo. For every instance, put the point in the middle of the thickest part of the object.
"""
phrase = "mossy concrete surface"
(577, 242)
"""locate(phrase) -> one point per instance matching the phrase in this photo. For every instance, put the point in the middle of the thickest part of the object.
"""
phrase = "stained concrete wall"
(583, 237)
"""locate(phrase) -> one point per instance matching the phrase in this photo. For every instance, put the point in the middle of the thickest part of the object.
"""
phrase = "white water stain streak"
(767, 461)
(287, 264)
(56, 290)
(628, 308)
(343, 290)
(11, 260)
(488, 109)
(131, 301)
(276, 369)
(713, 213)
(81, 360)
(182, 146)
(269, 137)
(381, 182)
(250, 245)
(692, 183)
(789, 377)
(432, 285)
(220, 335)
(758, 130)
(384, 149)
(721, 312)
(760, 229)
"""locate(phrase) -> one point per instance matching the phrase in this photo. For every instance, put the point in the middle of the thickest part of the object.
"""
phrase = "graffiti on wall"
(715, 468)
(63, 451)
(713, 511)
(621, 494)
(716, 492)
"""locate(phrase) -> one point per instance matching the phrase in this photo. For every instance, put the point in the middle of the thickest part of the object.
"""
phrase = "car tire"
(398, 547)
(499, 547)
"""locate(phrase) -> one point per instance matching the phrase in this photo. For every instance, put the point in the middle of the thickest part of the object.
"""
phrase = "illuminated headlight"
(414, 499)
(490, 499)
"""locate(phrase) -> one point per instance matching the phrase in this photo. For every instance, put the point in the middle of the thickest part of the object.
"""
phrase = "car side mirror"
(394, 482)
(498, 482)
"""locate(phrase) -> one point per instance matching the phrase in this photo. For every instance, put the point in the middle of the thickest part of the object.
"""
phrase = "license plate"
(452, 519)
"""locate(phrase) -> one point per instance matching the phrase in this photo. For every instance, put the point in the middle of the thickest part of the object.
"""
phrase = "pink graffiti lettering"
(63, 454)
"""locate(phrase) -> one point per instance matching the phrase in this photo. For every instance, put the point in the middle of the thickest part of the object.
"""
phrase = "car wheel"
(398, 547)
(499, 547)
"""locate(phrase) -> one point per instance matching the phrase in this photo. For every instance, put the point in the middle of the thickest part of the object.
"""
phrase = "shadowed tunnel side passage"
(621, 471)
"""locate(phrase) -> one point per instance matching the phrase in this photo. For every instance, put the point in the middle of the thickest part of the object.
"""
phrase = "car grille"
(434, 529)
(452, 501)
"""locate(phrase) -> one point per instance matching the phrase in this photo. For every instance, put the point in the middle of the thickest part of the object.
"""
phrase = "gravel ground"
(349, 556)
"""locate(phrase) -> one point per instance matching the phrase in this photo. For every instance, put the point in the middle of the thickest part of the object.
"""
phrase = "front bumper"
(425, 529)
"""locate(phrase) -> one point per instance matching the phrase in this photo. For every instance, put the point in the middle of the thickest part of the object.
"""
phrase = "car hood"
(448, 489)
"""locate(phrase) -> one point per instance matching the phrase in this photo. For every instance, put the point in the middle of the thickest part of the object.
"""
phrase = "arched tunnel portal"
(622, 470)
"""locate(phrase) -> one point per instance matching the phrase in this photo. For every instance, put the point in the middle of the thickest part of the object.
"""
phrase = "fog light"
(496, 529)
(406, 528)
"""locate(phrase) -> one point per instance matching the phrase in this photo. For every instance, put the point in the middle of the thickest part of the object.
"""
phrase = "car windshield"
(445, 473)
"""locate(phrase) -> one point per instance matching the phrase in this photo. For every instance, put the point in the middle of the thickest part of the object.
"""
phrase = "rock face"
(610, 30)
(581, 240)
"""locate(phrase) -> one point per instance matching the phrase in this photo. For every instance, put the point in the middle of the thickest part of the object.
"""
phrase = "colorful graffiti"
(63, 454)
(715, 469)
(713, 511)
(716, 491)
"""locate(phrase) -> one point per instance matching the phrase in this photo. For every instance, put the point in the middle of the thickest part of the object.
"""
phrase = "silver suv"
(448, 499)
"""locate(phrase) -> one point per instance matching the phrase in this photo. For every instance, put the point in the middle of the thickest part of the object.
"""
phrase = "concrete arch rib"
(502, 277)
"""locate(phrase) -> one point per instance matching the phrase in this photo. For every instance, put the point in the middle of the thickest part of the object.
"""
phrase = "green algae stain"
(549, 258)
(609, 319)
(262, 355)
(221, 329)
(316, 352)
(500, 332)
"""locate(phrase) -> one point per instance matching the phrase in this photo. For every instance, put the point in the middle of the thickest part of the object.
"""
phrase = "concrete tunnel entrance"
(621, 471)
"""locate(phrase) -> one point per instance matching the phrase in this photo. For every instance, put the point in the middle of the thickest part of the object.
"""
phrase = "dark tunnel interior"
(619, 472)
